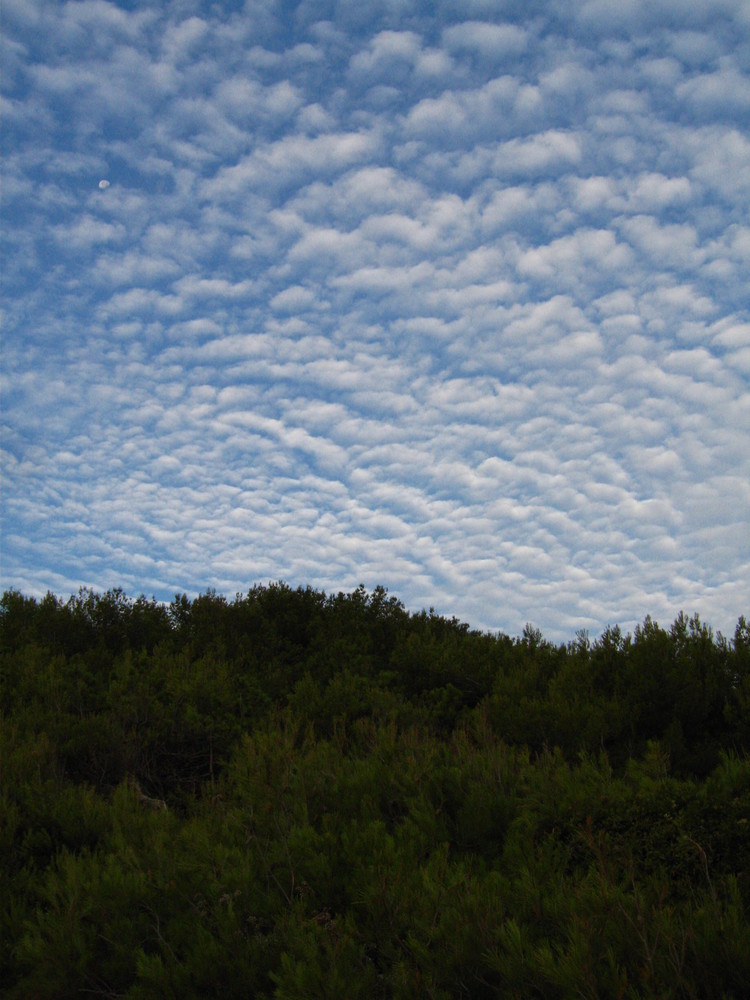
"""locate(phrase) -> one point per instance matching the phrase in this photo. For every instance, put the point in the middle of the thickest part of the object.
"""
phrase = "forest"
(292, 794)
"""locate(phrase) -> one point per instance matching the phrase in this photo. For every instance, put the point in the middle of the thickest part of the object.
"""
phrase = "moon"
(103, 185)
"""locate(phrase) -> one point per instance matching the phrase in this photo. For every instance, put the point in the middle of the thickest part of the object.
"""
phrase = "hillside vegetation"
(299, 795)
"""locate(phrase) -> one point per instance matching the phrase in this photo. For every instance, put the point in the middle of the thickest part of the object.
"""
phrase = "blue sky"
(448, 297)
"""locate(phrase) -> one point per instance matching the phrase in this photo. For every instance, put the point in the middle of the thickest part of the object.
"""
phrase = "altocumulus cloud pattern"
(448, 297)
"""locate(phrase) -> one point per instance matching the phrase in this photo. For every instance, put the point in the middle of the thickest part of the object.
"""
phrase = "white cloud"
(655, 191)
(290, 160)
(86, 232)
(727, 90)
(293, 300)
(545, 150)
(493, 41)
(385, 50)
(667, 244)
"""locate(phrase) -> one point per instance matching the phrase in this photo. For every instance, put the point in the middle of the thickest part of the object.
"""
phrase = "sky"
(451, 298)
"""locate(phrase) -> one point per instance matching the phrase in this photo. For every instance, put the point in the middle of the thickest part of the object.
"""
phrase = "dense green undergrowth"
(363, 802)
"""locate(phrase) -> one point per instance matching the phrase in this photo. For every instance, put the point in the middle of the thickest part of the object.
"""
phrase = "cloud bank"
(453, 303)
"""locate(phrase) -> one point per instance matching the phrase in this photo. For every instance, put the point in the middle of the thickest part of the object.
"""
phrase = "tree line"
(294, 794)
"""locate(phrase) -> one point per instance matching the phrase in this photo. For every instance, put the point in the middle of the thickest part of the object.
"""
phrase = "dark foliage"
(291, 795)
